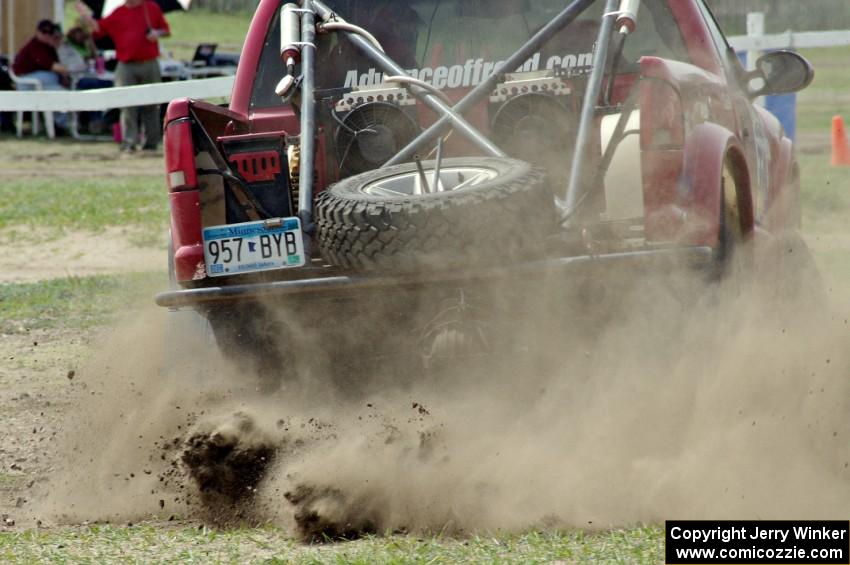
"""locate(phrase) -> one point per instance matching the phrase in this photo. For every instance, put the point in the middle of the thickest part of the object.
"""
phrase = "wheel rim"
(737, 256)
(418, 183)
(733, 214)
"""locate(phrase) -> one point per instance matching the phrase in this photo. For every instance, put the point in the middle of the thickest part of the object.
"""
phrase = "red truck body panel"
(682, 185)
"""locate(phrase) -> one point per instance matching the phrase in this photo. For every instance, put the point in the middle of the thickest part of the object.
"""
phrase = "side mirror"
(780, 72)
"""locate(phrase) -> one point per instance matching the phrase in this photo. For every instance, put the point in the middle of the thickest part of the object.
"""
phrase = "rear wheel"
(481, 211)
(733, 255)
(241, 334)
(247, 336)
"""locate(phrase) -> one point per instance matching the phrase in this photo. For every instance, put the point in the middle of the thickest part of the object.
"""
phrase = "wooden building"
(18, 19)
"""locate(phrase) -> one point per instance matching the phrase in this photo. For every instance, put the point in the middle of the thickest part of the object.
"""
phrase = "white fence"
(791, 40)
(92, 100)
(757, 41)
(120, 97)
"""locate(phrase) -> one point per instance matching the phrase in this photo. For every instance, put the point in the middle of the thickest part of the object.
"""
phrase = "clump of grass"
(74, 302)
(89, 204)
(188, 29)
(825, 193)
(828, 94)
(154, 543)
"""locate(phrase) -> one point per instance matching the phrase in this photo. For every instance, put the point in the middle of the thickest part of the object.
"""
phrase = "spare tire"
(490, 211)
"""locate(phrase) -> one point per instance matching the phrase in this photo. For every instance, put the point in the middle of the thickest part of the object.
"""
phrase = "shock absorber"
(290, 45)
(626, 24)
(627, 18)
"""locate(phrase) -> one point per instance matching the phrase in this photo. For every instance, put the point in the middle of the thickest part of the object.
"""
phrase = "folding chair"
(31, 84)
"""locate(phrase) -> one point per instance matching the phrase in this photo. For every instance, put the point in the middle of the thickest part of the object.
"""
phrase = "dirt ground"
(57, 251)
(37, 389)
(39, 382)
(347, 467)
(78, 254)
(81, 160)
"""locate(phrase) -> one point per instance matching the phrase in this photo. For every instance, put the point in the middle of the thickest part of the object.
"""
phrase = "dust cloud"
(637, 400)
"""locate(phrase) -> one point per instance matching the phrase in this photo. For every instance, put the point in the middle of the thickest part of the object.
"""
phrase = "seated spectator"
(74, 49)
(69, 57)
(39, 60)
(82, 78)
(82, 41)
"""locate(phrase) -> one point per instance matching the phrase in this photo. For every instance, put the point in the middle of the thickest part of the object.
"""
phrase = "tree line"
(796, 15)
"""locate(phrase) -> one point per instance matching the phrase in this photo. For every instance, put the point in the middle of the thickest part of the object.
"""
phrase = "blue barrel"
(784, 106)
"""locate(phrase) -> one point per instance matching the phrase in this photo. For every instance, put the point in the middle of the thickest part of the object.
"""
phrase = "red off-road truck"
(374, 147)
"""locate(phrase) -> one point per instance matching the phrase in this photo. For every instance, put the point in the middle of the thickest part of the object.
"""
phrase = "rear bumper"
(333, 286)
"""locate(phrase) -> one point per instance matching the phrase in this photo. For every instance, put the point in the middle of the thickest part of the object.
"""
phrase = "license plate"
(253, 246)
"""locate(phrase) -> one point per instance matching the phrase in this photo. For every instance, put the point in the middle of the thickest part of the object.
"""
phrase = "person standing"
(135, 27)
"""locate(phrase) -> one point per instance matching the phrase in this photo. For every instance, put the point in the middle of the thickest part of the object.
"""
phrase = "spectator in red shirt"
(135, 27)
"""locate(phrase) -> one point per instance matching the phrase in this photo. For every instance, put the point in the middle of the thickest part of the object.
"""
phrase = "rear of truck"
(331, 173)
(231, 168)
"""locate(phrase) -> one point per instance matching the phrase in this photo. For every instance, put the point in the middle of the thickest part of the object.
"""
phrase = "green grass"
(188, 29)
(201, 26)
(96, 202)
(73, 302)
(158, 544)
(825, 192)
(87, 203)
(829, 93)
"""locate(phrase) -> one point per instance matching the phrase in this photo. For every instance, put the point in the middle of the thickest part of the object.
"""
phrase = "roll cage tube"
(452, 116)
(390, 67)
(479, 93)
(308, 120)
(573, 195)
(310, 10)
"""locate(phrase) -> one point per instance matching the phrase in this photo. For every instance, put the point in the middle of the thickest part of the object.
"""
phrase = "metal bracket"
(556, 24)
(390, 67)
(529, 83)
(379, 93)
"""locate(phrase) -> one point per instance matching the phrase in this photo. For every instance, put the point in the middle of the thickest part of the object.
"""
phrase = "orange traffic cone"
(840, 145)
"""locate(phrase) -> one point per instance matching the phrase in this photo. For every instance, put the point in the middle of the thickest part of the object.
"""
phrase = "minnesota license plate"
(253, 246)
